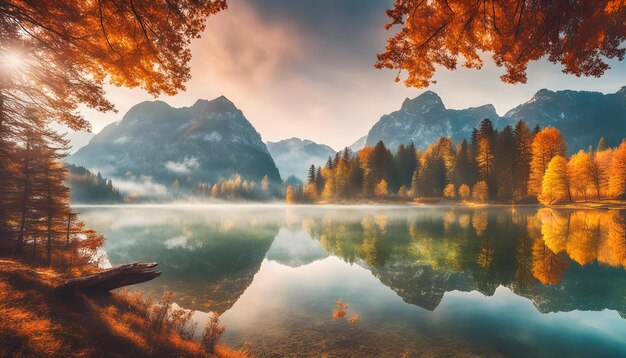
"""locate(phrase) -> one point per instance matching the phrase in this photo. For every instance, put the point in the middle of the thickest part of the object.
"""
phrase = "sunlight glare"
(12, 61)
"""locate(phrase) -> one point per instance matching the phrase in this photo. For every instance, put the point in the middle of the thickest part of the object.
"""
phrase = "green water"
(431, 281)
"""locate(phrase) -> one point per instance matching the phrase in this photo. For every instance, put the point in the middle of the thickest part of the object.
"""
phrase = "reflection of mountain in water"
(295, 248)
(207, 269)
(562, 261)
(420, 284)
(208, 263)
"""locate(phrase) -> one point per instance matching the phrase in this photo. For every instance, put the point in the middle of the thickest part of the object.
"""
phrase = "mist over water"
(431, 281)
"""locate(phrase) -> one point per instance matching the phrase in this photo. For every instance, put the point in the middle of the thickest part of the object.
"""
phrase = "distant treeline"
(87, 187)
(515, 164)
(235, 188)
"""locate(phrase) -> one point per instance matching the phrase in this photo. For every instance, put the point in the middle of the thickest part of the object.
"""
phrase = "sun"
(11, 61)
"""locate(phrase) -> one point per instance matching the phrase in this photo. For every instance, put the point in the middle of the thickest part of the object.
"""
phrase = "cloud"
(144, 187)
(185, 167)
(179, 241)
(238, 48)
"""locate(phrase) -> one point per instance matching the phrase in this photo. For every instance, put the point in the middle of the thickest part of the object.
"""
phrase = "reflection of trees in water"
(548, 267)
(479, 222)
(586, 236)
(424, 255)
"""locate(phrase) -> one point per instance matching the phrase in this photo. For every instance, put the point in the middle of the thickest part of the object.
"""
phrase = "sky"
(306, 69)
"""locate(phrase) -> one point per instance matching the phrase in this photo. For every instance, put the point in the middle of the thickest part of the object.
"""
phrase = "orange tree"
(57, 54)
(579, 34)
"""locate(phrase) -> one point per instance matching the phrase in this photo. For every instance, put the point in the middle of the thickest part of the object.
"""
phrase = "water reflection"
(290, 266)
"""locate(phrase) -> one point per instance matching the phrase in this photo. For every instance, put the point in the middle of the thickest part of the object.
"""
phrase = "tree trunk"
(113, 278)
(25, 198)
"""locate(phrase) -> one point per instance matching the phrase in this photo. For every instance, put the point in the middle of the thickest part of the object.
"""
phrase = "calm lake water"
(433, 281)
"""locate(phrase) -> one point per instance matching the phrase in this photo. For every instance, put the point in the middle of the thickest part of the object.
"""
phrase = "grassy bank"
(38, 321)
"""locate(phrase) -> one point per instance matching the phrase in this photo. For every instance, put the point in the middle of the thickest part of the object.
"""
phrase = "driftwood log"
(112, 278)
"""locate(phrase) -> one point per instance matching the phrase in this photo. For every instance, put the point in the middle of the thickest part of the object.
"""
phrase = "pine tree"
(319, 180)
(602, 145)
(415, 183)
(473, 151)
(504, 164)
(485, 153)
(311, 176)
(462, 171)
(523, 156)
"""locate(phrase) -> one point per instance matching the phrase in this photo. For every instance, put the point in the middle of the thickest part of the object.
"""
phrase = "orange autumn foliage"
(341, 310)
(68, 49)
(37, 322)
(617, 172)
(581, 35)
(353, 319)
(547, 266)
(547, 144)
(554, 186)
(579, 173)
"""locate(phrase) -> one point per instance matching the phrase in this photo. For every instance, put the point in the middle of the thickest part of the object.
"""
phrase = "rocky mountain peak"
(425, 102)
(220, 104)
(146, 109)
(542, 94)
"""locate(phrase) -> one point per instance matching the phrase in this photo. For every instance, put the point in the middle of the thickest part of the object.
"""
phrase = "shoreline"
(609, 204)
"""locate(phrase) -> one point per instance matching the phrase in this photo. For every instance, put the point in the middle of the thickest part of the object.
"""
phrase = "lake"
(427, 281)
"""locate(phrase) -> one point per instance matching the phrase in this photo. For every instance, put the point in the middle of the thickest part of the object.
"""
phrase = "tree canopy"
(58, 54)
(579, 34)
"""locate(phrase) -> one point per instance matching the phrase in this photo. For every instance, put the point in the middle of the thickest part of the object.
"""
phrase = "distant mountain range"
(583, 117)
(155, 144)
(294, 156)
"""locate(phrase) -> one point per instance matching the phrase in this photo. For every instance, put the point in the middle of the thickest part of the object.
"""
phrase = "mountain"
(424, 119)
(583, 117)
(295, 248)
(294, 156)
(155, 144)
(359, 144)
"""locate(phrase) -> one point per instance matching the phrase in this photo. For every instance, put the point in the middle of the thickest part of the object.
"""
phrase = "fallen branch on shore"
(113, 278)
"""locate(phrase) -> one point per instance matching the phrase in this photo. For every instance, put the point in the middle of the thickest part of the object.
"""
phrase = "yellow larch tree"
(381, 190)
(617, 172)
(450, 191)
(554, 187)
(480, 191)
(579, 173)
(290, 197)
(600, 171)
(546, 145)
(464, 192)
